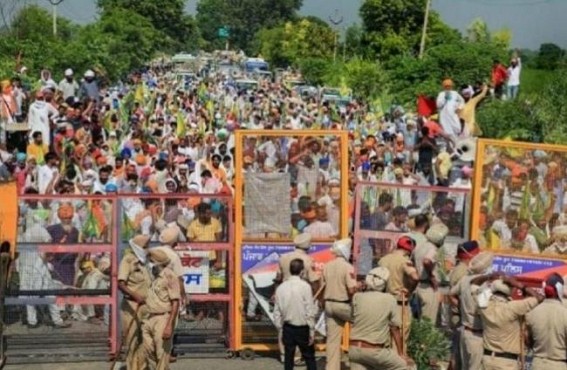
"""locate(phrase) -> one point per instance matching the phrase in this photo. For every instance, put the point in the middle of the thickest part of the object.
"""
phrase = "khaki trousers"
(132, 333)
(545, 364)
(472, 350)
(375, 359)
(156, 350)
(337, 315)
(499, 363)
(429, 301)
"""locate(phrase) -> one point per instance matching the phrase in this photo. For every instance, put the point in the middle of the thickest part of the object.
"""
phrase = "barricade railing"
(63, 283)
(67, 257)
(206, 251)
(285, 183)
(386, 211)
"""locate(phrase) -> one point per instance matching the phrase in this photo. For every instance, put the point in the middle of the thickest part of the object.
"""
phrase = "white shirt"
(38, 118)
(294, 304)
(44, 176)
(69, 89)
(320, 230)
(514, 74)
(448, 102)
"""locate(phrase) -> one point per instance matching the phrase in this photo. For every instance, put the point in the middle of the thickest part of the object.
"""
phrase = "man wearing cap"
(468, 338)
(162, 305)
(501, 330)
(169, 237)
(426, 263)
(547, 328)
(134, 282)
(89, 87)
(371, 345)
(403, 279)
(465, 253)
(68, 86)
(450, 103)
(294, 316)
(340, 285)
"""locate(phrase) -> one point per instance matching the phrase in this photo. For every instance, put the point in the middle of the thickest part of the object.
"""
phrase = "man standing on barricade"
(402, 282)
(376, 324)
(340, 285)
(464, 294)
(134, 282)
(547, 328)
(294, 316)
(162, 306)
(426, 262)
(302, 244)
(501, 324)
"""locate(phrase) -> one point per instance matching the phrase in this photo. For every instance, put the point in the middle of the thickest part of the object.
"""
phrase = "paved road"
(193, 364)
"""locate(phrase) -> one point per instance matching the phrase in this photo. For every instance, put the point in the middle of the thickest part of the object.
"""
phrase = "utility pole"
(336, 20)
(424, 32)
(54, 4)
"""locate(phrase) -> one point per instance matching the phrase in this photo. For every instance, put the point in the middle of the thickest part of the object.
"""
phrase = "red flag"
(426, 106)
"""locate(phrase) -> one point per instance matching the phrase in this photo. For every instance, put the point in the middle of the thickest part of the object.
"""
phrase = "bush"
(427, 344)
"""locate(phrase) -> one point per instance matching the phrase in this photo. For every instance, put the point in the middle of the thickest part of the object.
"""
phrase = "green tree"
(549, 56)
(353, 38)
(393, 27)
(314, 70)
(291, 42)
(478, 31)
(550, 111)
(167, 16)
(244, 19)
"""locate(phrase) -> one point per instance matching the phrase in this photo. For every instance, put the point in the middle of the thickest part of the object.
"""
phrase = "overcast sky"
(532, 21)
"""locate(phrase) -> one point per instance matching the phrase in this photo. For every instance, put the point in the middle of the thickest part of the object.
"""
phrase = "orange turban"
(141, 160)
(447, 83)
(101, 160)
(153, 185)
(193, 201)
(65, 211)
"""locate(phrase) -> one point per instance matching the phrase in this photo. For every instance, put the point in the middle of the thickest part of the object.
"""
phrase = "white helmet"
(68, 72)
(89, 73)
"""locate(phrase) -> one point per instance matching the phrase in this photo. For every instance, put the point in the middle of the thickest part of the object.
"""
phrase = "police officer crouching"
(376, 317)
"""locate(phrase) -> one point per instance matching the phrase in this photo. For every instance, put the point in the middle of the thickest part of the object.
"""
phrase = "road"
(182, 364)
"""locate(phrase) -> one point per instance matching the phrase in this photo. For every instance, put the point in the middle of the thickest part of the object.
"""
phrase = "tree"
(353, 38)
(393, 27)
(294, 41)
(167, 16)
(244, 18)
(478, 31)
(549, 56)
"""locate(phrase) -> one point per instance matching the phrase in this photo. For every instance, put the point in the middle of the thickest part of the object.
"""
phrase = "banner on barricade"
(195, 271)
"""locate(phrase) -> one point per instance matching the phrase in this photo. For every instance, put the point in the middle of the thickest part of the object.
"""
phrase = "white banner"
(195, 271)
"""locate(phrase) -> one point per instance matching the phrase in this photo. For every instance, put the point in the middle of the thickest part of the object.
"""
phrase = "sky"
(532, 22)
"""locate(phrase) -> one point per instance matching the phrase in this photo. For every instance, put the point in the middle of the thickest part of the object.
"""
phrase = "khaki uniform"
(428, 297)
(372, 327)
(547, 324)
(459, 272)
(400, 267)
(308, 273)
(137, 278)
(164, 290)
(502, 332)
(470, 343)
(338, 276)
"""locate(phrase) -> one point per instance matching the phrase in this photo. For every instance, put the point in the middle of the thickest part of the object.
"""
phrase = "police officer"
(402, 281)
(547, 328)
(426, 263)
(465, 252)
(340, 286)
(134, 281)
(302, 244)
(501, 329)
(162, 305)
(469, 338)
(372, 328)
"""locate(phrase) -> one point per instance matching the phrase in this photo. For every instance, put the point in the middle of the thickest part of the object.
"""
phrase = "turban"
(303, 241)
(140, 241)
(140, 160)
(481, 263)
(447, 83)
(169, 236)
(377, 278)
(159, 257)
(65, 211)
(468, 249)
(437, 234)
(499, 286)
(341, 248)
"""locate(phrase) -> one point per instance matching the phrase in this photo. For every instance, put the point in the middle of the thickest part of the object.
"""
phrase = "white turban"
(377, 278)
(341, 248)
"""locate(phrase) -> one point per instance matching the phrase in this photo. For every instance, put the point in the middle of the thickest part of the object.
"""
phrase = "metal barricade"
(61, 298)
(205, 233)
(383, 211)
(280, 184)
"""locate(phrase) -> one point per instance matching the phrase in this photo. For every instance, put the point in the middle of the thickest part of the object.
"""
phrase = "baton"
(522, 344)
(403, 323)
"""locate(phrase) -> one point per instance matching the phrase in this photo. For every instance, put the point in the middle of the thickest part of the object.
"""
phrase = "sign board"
(195, 271)
(224, 32)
